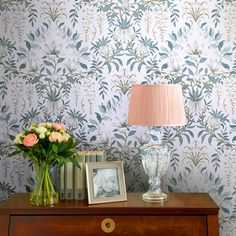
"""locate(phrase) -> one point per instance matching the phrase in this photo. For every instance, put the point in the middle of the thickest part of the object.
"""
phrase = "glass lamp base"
(155, 160)
(154, 197)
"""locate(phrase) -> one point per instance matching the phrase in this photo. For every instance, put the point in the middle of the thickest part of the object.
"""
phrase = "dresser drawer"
(68, 225)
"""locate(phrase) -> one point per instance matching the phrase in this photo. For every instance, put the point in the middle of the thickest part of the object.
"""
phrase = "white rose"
(42, 124)
(42, 136)
(18, 138)
(41, 130)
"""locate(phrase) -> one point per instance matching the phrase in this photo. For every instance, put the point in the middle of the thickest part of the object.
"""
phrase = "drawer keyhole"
(108, 225)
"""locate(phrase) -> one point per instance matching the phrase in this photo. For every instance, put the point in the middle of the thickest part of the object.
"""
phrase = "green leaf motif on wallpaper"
(175, 14)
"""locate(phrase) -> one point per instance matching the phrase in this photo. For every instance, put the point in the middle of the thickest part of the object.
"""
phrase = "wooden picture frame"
(105, 182)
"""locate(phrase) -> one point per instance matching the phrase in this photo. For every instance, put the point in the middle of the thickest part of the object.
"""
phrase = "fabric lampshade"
(156, 105)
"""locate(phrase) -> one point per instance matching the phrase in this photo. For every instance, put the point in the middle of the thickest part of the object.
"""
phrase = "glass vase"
(44, 193)
(155, 160)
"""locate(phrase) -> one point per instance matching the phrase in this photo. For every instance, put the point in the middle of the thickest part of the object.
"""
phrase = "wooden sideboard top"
(176, 203)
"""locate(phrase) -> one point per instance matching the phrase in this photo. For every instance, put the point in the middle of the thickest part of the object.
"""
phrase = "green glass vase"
(44, 193)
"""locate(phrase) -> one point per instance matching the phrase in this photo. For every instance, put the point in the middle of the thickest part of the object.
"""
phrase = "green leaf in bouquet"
(74, 161)
(14, 153)
(55, 148)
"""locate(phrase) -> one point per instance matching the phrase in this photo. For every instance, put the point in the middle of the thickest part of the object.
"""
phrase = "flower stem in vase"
(44, 193)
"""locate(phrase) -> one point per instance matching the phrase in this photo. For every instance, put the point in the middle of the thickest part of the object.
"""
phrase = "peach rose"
(30, 140)
(55, 136)
(65, 137)
(59, 126)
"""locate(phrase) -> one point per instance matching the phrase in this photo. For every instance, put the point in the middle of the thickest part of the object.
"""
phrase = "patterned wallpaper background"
(74, 61)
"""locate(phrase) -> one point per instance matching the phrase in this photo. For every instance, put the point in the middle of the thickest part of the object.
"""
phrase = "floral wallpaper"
(75, 61)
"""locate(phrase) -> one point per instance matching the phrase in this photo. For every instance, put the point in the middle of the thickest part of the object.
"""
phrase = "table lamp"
(156, 105)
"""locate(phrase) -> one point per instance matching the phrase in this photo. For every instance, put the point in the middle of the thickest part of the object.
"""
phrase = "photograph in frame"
(105, 182)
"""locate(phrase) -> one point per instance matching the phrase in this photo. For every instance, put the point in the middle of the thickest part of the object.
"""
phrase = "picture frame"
(105, 182)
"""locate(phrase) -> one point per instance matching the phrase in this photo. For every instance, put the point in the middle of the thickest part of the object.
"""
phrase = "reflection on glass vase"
(44, 193)
(155, 160)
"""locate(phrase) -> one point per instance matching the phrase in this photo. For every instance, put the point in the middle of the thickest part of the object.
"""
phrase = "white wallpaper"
(74, 62)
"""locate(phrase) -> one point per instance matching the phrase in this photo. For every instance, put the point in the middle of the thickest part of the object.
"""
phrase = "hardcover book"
(73, 179)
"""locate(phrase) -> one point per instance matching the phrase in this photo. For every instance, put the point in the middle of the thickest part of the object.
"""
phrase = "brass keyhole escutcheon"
(108, 225)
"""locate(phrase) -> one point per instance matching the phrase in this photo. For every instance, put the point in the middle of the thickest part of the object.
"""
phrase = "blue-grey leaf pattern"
(75, 62)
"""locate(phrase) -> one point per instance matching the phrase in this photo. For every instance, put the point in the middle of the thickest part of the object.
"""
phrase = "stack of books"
(73, 179)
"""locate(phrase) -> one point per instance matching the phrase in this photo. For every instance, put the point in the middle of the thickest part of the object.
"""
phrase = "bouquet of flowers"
(46, 145)
(45, 142)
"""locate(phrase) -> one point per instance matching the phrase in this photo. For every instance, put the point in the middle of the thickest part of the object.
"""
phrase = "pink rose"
(30, 140)
(63, 127)
(59, 126)
(55, 136)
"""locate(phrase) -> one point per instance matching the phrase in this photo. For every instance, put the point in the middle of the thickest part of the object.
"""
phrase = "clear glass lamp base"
(154, 197)
(155, 160)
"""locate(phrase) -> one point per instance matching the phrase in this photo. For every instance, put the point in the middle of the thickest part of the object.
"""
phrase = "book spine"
(92, 156)
(87, 156)
(69, 180)
(100, 156)
(80, 188)
(74, 181)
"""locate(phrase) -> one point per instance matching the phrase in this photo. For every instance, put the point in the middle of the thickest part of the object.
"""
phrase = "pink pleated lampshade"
(156, 105)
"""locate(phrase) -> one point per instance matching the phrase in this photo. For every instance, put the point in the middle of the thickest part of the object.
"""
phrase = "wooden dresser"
(192, 214)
